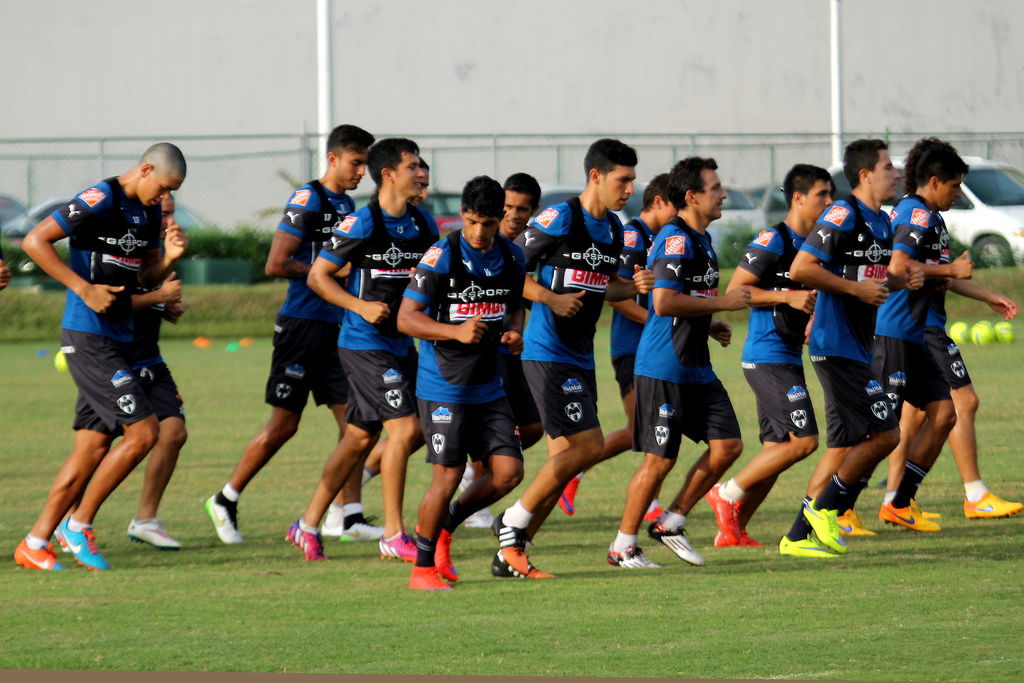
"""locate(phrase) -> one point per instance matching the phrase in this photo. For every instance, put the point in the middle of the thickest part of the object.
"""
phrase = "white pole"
(324, 79)
(837, 85)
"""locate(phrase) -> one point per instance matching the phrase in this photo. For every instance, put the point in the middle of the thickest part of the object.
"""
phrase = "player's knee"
(886, 441)
(803, 446)
(506, 479)
(173, 433)
(967, 406)
(729, 450)
(140, 437)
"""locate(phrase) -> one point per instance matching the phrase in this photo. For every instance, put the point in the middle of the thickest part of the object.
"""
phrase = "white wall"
(180, 67)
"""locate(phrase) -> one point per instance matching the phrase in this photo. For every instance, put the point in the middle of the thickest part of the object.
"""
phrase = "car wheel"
(993, 251)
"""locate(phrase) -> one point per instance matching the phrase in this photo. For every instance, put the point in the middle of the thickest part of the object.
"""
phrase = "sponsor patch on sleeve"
(629, 238)
(347, 224)
(919, 217)
(299, 198)
(545, 217)
(430, 258)
(92, 196)
(836, 215)
(764, 237)
(675, 245)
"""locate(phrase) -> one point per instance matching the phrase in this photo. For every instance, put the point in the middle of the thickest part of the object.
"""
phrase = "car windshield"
(736, 200)
(997, 186)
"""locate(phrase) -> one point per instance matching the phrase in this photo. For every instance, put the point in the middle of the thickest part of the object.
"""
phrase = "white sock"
(230, 493)
(335, 515)
(672, 520)
(889, 495)
(352, 509)
(731, 491)
(653, 506)
(76, 526)
(623, 541)
(517, 516)
(368, 474)
(308, 529)
(467, 477)
(579, 477)
(35, 543)
(975, 490)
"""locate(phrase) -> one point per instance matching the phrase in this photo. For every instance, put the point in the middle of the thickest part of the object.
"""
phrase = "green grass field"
(898, 607)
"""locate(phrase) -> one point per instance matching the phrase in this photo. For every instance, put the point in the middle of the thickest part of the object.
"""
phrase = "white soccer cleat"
(481, 519)
(152, 531)
(633, 558)
(225, 520)
(676, 540)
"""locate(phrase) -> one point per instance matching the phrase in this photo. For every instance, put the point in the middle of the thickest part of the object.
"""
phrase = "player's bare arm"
(808, 271)
(512, 337)
(322, 280)
(672, 302)
(168, 292)
(621, 288)
(562, 305)
(38, 245)
(414, 322)
(800, 299)
(1002, 305)
(279, 260)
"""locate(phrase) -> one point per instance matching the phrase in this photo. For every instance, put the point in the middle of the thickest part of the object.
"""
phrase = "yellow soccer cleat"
(850, 524)
(808, 547)
(991, 506)
(906, 518)
(924, 514)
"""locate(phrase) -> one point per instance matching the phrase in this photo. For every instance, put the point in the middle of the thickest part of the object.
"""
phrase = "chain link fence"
(236, 180)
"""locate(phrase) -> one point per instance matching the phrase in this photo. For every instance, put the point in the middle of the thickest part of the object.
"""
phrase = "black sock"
(219, 499)
(457, 514)
(800, 529)
(836, 496)
(356, 518)
(913, 474)
(425, 548)
(855, 490)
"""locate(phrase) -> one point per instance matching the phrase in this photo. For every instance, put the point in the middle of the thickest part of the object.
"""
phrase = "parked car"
(989, 217)
(771, 200)
(19, 227)
(443, 206)
(12, 213)
(738, 210)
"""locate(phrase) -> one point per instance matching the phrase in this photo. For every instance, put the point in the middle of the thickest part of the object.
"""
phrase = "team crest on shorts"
(127, 404)
(437, 442)
(283, 390)
(394, 398)
(574, 411)
(893, 399)
(958, 368)
(799, 418)
(661, 434)
(880, 409)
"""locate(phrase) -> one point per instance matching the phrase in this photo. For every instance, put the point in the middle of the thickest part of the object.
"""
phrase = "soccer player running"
(628, 320)
(844, 258)
(576, 245)
(901, 359)
(522, 199)
(464, 302)
(150, 309)
(382, 242)
(305, 357)
(780, 310)
(677, 391)
(926, 159)
(114, 230)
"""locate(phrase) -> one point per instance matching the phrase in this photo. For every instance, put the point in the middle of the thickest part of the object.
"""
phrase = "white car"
(738, 209)
(989, 217)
